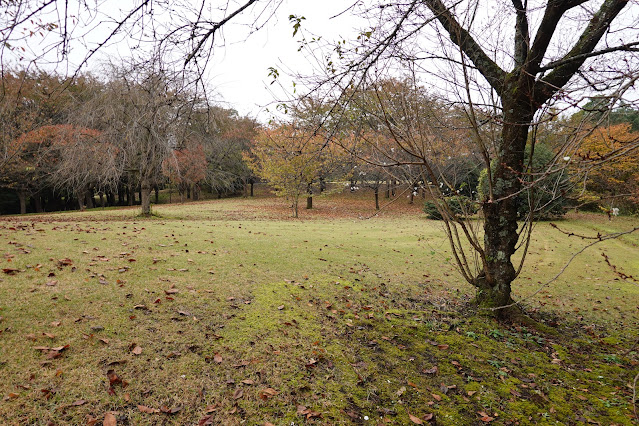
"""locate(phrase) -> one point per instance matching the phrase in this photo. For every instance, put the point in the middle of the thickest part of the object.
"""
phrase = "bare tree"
(139, 112)
(508, 68)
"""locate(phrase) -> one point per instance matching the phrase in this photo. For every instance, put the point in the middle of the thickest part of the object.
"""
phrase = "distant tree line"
(86, 142)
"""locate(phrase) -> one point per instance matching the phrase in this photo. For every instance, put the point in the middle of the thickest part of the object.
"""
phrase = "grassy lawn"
(231, 312)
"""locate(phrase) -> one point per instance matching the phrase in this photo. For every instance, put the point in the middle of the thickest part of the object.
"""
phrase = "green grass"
(344, 316)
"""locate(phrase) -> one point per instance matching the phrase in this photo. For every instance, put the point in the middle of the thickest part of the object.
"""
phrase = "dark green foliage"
(459, 204)
(547, 194)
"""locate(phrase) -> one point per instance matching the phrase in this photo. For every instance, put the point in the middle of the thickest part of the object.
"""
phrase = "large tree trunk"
(251, 183)
(145, 197)
(157, 194)
(500, 215)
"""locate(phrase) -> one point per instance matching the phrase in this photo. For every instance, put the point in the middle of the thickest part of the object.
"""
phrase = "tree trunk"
(500, 215)
(188, 192)
(130, 194)
(22, 196)
(157, 194)
(89, 198)
(309, 198)
(251, 183)
(377, 197)
(196, 192)
(387, 195)
(145, 197)
(37, 200)
(102, 201)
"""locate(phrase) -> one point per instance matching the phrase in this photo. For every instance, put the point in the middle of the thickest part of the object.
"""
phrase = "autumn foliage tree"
(607, 166)
(186, 167)
(289, 157)
(36, 156)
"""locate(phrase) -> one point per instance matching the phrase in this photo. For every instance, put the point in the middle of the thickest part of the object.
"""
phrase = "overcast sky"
(240, 70)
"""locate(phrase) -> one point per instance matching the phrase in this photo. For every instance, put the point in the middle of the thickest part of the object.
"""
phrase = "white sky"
(240, 71)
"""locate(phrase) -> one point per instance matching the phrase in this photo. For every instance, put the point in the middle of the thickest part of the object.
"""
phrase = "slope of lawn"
(231, 312)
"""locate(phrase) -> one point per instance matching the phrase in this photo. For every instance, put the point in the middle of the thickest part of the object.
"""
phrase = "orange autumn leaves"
(610, 159)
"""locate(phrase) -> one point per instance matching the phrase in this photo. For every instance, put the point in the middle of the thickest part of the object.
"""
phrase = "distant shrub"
(459, 204)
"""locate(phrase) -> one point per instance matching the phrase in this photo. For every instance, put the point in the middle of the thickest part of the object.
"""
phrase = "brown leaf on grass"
(267, 393)
(167, 410)
(109, 420)
(171, 291)
(52, 283)
(239, 393)
(114, 379)
(485, 417)
(415, 419)
(148, 410)
(211, 408)
(78, 402)
(142, 307)
(217, 358)
(10, 271)
(12, 396)
(206, 420)
(91, 421)
(268, 424)
(437, 397)
(442, 347)
(301, 409)
(56, 323)
(432, 370)
(137, 350)
(248, 382)
(49, 335)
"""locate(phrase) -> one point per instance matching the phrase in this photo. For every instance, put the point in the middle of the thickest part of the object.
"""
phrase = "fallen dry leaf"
(217, 358)
(167, 410)
(149, 410)
(109, 420)
(268, 393)
(137, 350)
(239, 392)
(415, 419)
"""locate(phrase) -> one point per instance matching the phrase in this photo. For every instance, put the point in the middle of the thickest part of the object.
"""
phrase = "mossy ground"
(246, 316)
